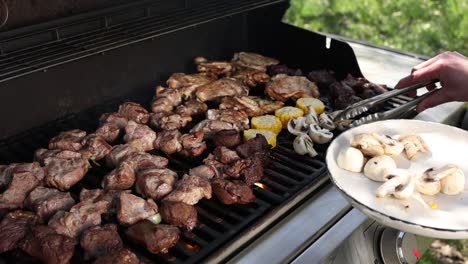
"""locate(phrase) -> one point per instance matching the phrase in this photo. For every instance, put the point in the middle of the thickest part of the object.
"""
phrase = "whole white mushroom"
(377, 167)
(351, 159)
(454, 183)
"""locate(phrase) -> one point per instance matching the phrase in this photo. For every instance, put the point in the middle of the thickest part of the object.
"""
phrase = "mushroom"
(342, 125)
(454, 183)
(303, 144)
(350, 159)
(368, 144)
(414, 145)
(319, 135)
(377, 167)
(297, 126)
(399, 183)
(430, 182)
(325, 121)
(311, 117)
(390, 145)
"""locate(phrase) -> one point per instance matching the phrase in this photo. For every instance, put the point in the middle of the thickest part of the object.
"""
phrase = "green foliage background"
(426, 27)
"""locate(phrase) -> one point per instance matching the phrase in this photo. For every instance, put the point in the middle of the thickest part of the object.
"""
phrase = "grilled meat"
(225, 155)
(205, 171)
(232, 192)
(46, 245)
(111, 124)
(251, 105)
(220, 88)
(14, 227)
(238, 118)
(283, 69)
(193, 144)
(251, 77)
(155, 183)
(267, 106)
(23, 178)
(81, 216)
(189, 190)
(120, 178)
(258, 144)
(68, 140)
(342, 102)
(142, 161)
(115, 118)
(235, 169)
(64, 173)
(168, 141)
(140, 135)
(212, 161)
(169, 120)
(119, 153)
(156, 238)
(132, 209)
(228, 138)
(253, 171)
(179, 214)
(211, 127)
(121, 256)
(166, 99)
(213, 68)
(192, 107)
(45, 202)
(41, 154)
(188, 83)
(100, 241)
(282, 87)
(134, 111)
(252, 61)
(338, 89)
(322, 78)
(110, 196)
(95, 147)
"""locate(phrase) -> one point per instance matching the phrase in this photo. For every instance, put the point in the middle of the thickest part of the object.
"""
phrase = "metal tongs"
(354, 110)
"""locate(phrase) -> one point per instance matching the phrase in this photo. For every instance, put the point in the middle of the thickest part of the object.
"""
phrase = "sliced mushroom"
(311, 117)
(414, 145)
(319, 135)
(342, 125)
(400, 184)
(303, 144)
(326, 122)
(368, 144)
(350, 159)
(297, 126)
(429, 182)
(378, 167)
(454, 183)
(390, 145)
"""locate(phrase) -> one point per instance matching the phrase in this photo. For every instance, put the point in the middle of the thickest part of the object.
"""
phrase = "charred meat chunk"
(227, 138)
(225, 155)
(232, 192)
(45, 202)
(252, 60)
(323, 78)
(253, 171)
(168, 141)
(193, 144)
(80, 217)
(344, 101)
(179, 214)
(111, 125)
(134, 111)
(121, 256)
(41, 154)
(68, 140)
(205, 171)
(5, 176)
(100, 241)
(64, 173)
(139, 135)
(156, 238)
(251, 77)
(132, 209)
(192, 107)
(242, 103)
(252, 146)
(95, 147)
(166, 99)
(266, 105)
(119, 153)
(220, 88)
(211, 127)
(190, 190)
(13, 227)
(120, 178)
(238, 118)
(283, 69)
(46, 245)
(213, 68)
(169, 120)
(282, 87)
(23, 177)
(155, 183)
(338, 89)
(188, 83)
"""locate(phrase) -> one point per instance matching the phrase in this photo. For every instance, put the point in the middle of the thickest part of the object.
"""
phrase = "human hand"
(451, 69)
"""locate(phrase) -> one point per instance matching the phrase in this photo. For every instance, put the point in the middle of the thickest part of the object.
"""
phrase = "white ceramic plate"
(448, 145)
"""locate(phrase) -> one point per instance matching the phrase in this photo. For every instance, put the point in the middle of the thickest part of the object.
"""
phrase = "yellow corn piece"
(270, 136)
(267, 122)
(306, 102)
(287, 113)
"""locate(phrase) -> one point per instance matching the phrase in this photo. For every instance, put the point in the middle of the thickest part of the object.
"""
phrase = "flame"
(190, 246)
(263, 186)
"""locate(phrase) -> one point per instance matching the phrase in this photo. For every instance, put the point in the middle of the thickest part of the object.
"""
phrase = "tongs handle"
(371, 102)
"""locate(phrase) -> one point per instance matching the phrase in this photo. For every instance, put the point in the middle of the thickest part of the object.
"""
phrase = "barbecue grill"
(64, 72)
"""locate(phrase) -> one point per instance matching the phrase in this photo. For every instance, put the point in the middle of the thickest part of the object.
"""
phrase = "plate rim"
(392, 218)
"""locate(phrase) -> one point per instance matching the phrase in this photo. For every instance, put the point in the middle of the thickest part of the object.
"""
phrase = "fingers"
(425, 64)
(437, 98)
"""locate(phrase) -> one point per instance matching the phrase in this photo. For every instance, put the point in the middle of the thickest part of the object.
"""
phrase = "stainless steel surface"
(323, 247)
(398, 247)
(298, 230)
(3, 13)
